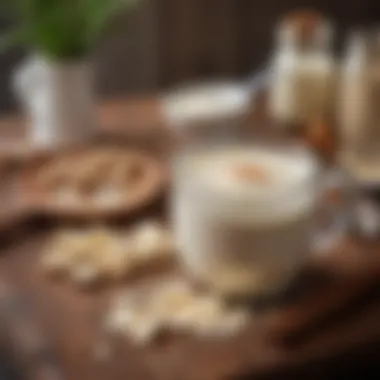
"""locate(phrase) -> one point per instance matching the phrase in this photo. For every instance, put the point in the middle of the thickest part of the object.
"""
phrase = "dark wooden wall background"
(166, 42)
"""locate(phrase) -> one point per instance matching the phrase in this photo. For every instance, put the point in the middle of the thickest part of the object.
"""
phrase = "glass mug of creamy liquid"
(244, 216)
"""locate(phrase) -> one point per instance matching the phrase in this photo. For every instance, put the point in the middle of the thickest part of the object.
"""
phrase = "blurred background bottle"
(303, 72)
(359, 110)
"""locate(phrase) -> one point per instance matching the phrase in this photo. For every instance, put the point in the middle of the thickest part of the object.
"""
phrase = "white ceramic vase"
(58, 100)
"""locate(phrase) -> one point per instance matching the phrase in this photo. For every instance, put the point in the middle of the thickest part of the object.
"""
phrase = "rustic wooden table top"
(135, 116)
(330, 320)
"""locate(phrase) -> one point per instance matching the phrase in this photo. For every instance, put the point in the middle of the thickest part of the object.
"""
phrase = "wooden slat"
(221, 33)
(181, 39)
(128, 61)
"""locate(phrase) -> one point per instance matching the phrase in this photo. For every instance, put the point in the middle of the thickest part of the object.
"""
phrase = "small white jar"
(58, 100)
(302, 72)
(243, 216)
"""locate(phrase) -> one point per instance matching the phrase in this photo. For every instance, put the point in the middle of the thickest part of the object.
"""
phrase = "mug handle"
(334, 218)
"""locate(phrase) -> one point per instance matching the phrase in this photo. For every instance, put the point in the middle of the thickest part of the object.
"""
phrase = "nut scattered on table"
(102, 253)
(172, 305)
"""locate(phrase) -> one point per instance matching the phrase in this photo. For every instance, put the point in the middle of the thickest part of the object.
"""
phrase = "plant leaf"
(63, 29)
(58, 31)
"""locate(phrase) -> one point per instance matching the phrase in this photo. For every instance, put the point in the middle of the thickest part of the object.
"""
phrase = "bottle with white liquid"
(303, 71)
(359, 128)
(359, 111)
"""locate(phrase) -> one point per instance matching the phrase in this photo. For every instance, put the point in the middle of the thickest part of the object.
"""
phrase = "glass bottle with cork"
(302, 89)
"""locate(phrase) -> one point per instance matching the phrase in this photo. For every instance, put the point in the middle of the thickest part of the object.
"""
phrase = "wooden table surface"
(135, 115)
(281, 342)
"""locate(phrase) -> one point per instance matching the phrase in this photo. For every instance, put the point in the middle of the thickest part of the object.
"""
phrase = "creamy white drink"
(243, 216)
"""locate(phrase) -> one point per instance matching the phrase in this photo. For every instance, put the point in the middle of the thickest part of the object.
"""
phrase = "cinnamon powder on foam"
(250, 173)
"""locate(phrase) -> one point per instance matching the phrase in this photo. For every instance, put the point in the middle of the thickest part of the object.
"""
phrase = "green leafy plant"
(61, 29)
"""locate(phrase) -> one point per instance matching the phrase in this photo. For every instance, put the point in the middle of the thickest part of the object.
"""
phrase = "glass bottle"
(303, 72)
(359, 110)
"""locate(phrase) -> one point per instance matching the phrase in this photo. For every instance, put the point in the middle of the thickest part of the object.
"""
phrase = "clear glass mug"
(245, 216)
